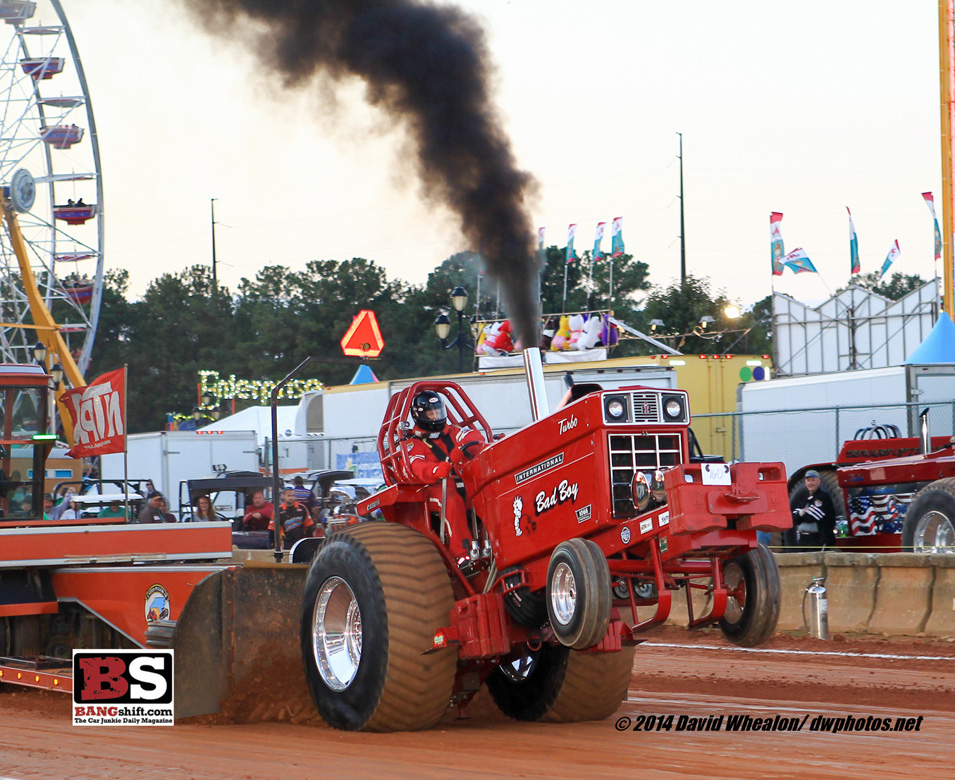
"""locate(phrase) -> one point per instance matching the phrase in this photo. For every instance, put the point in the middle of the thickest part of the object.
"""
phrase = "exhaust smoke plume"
(429, 67)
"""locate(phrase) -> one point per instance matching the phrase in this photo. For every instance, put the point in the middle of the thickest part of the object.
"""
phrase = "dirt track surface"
(700, 679)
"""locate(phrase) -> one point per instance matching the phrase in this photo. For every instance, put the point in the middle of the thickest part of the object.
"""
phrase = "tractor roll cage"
(394, 458)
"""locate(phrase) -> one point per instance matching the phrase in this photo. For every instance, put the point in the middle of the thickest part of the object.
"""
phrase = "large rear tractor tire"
(579, 598)
(374, 597)
(752, 609)
(558, 685)
(929, 525)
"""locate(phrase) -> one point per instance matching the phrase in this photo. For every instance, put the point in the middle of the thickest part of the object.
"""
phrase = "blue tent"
(938, 346)
(363, 376)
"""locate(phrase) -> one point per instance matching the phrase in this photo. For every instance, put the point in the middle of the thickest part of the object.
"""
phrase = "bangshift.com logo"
(122, 688)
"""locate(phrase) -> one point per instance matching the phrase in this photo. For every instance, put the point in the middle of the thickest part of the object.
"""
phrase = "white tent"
(258, 419)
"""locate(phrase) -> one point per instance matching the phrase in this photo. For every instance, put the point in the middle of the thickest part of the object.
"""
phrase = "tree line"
(266, 326)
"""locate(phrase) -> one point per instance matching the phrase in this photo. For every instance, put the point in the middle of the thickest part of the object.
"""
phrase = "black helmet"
(428, 412)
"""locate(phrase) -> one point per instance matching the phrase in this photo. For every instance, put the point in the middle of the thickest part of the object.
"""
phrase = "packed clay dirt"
(697, 675)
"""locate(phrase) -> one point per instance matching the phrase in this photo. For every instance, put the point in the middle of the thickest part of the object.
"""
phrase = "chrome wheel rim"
(336, 633)
(935, 533)
(735, 586)
(519, 669)
(563, 594)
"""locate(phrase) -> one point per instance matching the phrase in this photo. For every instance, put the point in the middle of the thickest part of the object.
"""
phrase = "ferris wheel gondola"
(47, 129)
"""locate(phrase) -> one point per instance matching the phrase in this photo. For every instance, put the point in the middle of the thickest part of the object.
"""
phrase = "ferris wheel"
(47, 130)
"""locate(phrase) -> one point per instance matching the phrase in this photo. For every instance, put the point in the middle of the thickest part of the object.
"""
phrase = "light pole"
(442, 326)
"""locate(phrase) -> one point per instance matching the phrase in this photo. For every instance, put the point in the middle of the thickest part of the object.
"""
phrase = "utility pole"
(682, 229)
(212, 206)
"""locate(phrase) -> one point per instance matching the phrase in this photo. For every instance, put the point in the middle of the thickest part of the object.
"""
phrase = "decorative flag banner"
(616, 237)
(776, 242)
(571, 232)
(799, 262)
(598, 237)
(890, 258)
(853, 246)
(98, 411)
(540, 238)
(930, 202)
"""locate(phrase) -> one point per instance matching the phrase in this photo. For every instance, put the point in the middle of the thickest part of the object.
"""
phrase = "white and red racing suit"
(434, 456)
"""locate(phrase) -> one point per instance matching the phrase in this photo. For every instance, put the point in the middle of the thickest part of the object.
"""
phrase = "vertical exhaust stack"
(534, 371)
(926, 441)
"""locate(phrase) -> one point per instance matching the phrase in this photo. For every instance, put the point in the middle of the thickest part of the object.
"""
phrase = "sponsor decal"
(521, 521)
(664, 544)
(122, 688)
(157, 604)
(540, 468)
(665, 518)
(625, 534)
(584, 513)
(646, 525)
(561, 494)
(566, 424)
(374, 504)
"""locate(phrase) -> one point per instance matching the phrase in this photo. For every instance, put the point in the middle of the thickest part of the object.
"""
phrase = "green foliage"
(894, 288)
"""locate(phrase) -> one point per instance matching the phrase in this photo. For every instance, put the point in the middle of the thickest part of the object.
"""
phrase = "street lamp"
(39, 353)
(654, 324)
(442, 326)
(705, 320)
(57, 373)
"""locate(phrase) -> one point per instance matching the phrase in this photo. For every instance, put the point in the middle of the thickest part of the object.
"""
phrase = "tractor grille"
(630, 453)
(646, 407)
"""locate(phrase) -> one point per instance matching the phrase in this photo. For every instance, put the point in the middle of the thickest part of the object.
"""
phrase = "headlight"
(616, 408)
(673, 408)
(640, 490)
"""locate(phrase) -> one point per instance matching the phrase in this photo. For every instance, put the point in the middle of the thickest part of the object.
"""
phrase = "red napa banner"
(98, 411)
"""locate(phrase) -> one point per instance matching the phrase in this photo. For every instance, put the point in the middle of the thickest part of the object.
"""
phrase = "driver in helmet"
(437, 449)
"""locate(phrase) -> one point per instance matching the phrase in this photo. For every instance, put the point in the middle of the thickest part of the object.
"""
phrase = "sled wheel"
(558, 685)
(929, 525)
(752, 608)
(527, 608)
(578, 593)
(374, 597)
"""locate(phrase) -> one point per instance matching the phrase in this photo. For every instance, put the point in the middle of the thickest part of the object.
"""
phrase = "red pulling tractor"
(587, 523)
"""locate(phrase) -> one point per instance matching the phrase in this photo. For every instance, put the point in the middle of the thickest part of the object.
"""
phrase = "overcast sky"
(800, 107)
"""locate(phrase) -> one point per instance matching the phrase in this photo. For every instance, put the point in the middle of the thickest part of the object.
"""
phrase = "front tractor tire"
(374, 596)
(929, 525)
(579, 598)
(558, 685)
(752, 609)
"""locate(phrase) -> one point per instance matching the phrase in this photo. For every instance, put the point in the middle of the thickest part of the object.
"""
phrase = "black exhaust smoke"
(429, 67)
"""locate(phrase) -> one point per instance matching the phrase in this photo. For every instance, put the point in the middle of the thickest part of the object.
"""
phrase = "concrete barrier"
(904, 594)
(941, 621)
(851, 583)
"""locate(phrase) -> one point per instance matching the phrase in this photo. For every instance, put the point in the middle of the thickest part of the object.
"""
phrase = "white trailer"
(170, 457)
(801, 420)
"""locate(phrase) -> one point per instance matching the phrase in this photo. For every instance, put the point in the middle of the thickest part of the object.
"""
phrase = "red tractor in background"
(587, 523)
(891, 492)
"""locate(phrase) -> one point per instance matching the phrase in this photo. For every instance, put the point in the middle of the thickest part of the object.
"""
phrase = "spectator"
(57, 511)
(152, 513)
(204, 512)
(814, 517)
(47, 505)
(74, 512)
(114, 510)
(296, 521)
(258, 516)
(304, 495)
(168, 517)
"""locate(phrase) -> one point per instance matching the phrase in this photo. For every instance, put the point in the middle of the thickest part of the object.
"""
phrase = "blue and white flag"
(776, 242)
(598, 238)
(616, 237)
(853, 247)
(890, 258)
(798, 261)
(571, 232)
